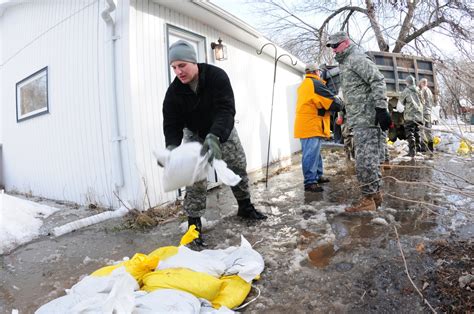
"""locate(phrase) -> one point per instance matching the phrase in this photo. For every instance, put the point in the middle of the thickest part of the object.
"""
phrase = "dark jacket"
(211, 110)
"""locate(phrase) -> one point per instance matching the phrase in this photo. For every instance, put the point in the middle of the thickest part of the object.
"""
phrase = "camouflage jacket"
(411, 99)
(426, 100)
(363, 86)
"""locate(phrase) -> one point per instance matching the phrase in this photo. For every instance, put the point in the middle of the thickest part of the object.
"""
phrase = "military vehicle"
(395, 67)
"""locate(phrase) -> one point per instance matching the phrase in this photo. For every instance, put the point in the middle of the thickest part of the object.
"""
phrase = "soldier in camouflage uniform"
(413, 115)
(201, 99)
(427, 101)
(366, 107)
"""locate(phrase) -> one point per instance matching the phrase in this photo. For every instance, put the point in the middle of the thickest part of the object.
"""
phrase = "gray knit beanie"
(183, 51)
(410, 80)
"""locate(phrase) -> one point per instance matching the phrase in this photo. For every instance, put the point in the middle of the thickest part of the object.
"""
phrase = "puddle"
(321, 256)
(355, 227)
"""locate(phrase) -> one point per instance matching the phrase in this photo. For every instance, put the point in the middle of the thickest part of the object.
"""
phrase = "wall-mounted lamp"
(220, 51)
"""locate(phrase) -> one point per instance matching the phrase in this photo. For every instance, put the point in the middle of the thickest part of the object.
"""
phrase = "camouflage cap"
(336, 38)
(311, 68)
(410, 80)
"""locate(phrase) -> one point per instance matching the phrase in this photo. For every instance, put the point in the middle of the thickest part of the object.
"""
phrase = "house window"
(199, 43)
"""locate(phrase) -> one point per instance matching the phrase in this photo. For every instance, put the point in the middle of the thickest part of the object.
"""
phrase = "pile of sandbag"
(168, 280)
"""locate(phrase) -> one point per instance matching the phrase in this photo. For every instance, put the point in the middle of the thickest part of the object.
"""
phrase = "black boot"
(422, 148)
(197, 222)
(247, 210)
(411, 150)
(431, 146)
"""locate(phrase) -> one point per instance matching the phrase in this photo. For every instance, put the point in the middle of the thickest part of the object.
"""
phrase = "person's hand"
(382, 118)
(339, 121)
(211, 144)
(171, 147)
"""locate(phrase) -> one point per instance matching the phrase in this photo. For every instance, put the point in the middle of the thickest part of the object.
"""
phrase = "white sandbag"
(109, 294)
(196, 261)
(206, 308)
(167, 301)
(104, 284)
(120, 298)
(400, 107)
(183, 166)
(224, 174)
(60, 305)
(243, 261)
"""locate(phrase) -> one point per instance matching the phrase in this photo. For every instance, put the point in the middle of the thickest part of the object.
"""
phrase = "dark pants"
(412, 131)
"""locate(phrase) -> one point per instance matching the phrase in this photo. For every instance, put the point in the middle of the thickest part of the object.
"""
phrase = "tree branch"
(383, 46)
(346, 20)
(335, 13)
(406, 25)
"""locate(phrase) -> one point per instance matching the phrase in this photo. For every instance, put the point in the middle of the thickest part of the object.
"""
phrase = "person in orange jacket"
(312, 125)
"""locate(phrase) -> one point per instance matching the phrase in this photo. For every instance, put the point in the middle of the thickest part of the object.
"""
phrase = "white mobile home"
(82, 84)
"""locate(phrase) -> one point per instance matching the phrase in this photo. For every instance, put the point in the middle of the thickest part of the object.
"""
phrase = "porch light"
(220, 51)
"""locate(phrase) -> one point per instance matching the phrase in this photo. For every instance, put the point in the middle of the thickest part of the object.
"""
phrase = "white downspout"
(112, 94)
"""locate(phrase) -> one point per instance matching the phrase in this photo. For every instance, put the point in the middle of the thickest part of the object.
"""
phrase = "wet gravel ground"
(318, 259)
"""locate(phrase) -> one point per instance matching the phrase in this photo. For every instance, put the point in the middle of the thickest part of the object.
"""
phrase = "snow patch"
(20, 221)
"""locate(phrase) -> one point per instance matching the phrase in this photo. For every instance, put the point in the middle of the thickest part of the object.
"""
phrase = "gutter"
(112, 94)
(211, 7)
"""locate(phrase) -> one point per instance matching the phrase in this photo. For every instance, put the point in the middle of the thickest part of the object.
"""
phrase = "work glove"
(337, 105)
(211, 144)
(382, 118)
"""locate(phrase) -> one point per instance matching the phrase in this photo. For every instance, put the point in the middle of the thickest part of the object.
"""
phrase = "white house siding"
(66, 153)
(251, 76)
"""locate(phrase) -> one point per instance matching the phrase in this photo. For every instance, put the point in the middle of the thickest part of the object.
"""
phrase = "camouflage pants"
(427, 136)
(348, 141)
(367, 157)
(384, 156)
(233, 154)
(412, 131)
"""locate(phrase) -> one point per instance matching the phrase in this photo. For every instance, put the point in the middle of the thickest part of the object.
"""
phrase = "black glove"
(382, 118)
(336, 105)
(211, 144)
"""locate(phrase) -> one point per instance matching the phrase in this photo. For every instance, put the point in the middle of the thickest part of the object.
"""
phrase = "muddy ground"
(318, 259)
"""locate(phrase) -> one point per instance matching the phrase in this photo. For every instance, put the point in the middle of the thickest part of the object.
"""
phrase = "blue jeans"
(312, 162)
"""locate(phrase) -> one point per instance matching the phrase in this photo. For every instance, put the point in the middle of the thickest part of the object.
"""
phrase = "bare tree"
(395, 25)
(457, 86)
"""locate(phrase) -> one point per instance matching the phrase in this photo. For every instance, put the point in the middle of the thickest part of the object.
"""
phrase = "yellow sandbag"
(189, 236)
(233, 292)
(436, 140)
(168, 251)
(164, 252)
(138, 266)
(464, 148)
(198, 284)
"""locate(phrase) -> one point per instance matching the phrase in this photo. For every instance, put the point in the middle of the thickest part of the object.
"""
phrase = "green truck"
(395, 67)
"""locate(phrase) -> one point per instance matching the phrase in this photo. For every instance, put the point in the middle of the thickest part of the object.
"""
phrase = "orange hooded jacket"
(313, 95)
